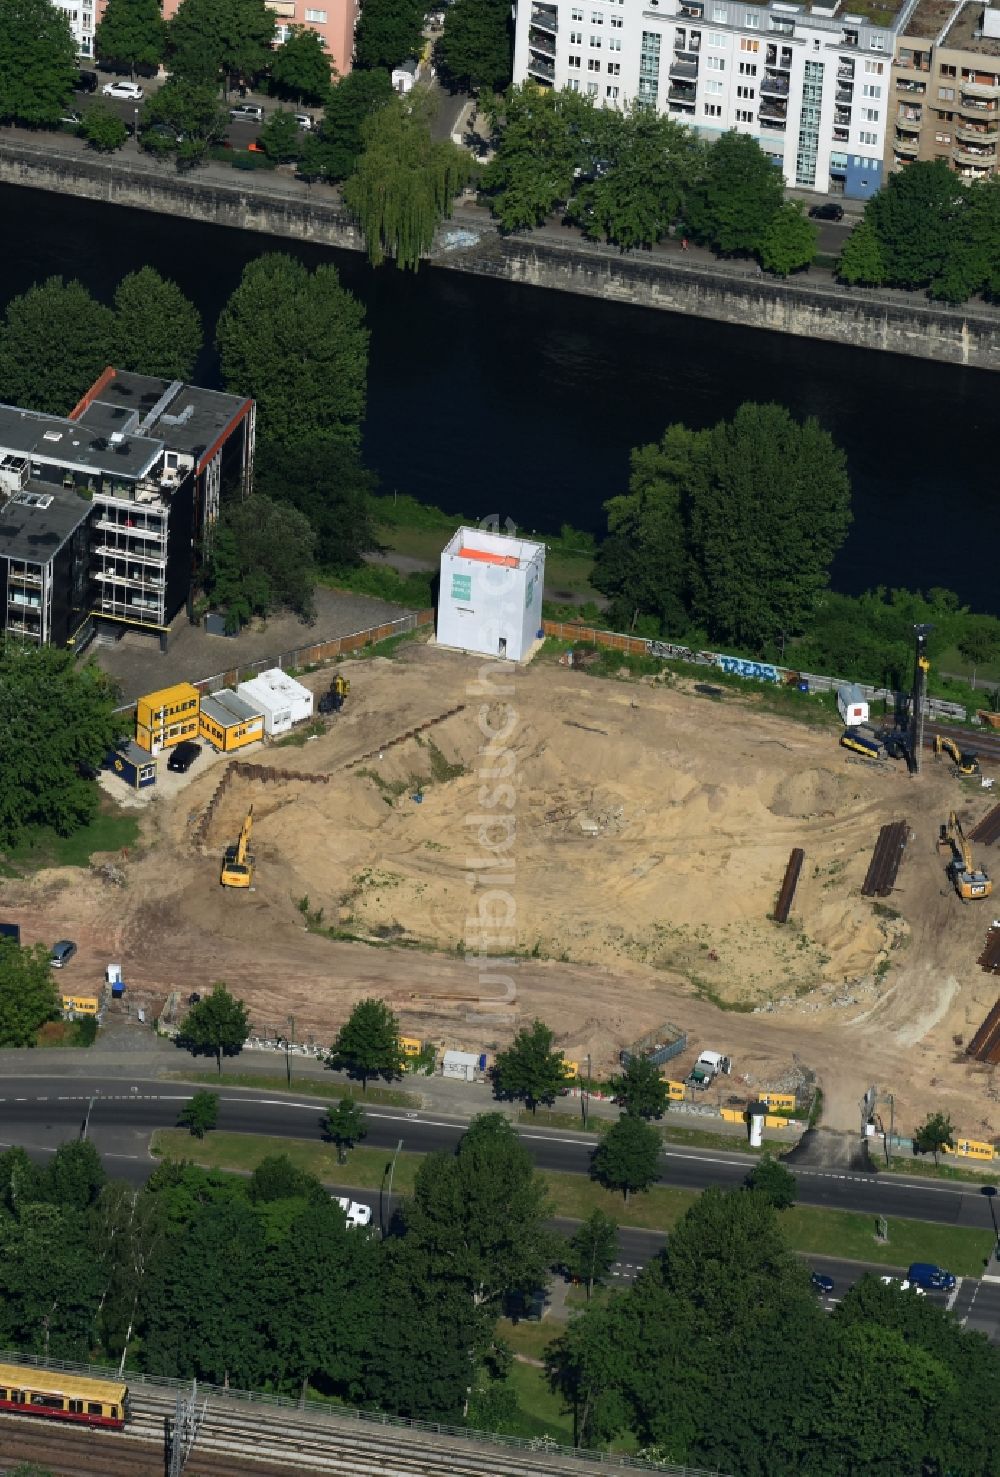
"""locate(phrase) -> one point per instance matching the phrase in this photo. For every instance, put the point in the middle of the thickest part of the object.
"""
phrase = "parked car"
(85, 82)
(130, 90)
(247, 113)
(931, 1277)
(164, 131)
(62, 953)
(355, 1213)
(904, 1285)
(71, 119)
(182, 758)
(304, 121)
(828, 212)
(822, 1283)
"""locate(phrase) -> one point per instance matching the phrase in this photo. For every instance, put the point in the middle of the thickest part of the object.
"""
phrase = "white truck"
(356, 1213)
(709, 1065)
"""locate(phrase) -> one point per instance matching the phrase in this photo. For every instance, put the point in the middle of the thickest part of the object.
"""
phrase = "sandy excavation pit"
(651, 833)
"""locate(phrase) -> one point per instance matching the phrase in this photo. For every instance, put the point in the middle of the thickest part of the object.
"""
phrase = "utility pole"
(86, 1121)
(585, 1095)
(390, 1169)
(288, 1049)
(182, 1432)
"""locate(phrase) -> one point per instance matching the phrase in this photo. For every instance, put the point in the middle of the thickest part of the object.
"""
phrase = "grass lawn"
(244, 1151)
(541, 1412)
(576, 1197)
(927, 1169)
(110, 830)
(302, 1086)
(851, 1235)
(951, 660)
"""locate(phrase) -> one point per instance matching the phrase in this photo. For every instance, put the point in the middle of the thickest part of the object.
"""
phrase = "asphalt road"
(40, 1113)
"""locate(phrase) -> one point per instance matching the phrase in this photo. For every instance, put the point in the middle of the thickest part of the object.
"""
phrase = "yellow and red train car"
(63, 1397)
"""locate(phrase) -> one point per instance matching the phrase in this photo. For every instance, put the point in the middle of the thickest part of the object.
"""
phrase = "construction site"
(655, 838)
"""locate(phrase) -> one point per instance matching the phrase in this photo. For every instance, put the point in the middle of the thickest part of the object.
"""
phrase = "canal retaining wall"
(730, 293)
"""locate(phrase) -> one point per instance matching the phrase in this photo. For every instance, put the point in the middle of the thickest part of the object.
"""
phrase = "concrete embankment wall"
(280, 206)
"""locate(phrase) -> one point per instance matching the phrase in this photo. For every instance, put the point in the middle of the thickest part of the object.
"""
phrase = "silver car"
(62, 953)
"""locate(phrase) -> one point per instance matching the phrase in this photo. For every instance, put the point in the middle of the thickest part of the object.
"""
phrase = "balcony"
(913, 61)
(980, 89)
(773, 114)
(980, 135)
(781, 27)
(844, 96)
(541, 44)
(131, 555)
(693, 9)
(907, 84)
(780, 58)
(681, 96)
(845, 72)
(910, 147)
(983, 158)
(976, 106)
(132, 529)
(774, 87)
(849, 38)
(135, 579)
(23, 579)
(683, 71)
(20, 628)
(908, 124)
(841, 135)
(543, 70)
(842, 118)
(546, 20)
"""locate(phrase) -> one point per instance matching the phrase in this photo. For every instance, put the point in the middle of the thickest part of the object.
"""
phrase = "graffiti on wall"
(757, 671)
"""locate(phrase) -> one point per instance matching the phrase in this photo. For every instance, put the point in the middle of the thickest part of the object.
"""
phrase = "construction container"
(229, 722)
(461, 1064)
(74, 1005)
(280, 699)
(852, 704)
(410, 1046)
(133, 765)
(167, 717)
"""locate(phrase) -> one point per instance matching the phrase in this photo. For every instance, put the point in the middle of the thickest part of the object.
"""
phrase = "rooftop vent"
(99, 443)
(52, 436)
(33, 499)
(122, 448)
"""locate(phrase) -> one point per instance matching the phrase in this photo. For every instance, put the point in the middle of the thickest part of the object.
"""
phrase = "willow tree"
(404, 182)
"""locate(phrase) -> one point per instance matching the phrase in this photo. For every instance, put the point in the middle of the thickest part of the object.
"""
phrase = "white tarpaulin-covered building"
(280, 699)
(491, 593)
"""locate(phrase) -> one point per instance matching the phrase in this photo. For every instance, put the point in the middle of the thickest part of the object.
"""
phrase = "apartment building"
(945, 98)
(101, 510)
(83, 16)
(809, 82)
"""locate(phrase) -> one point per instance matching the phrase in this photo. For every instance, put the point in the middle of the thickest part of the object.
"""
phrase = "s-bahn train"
(63, 1397)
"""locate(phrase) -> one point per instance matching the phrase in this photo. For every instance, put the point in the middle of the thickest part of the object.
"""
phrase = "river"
(486, 397)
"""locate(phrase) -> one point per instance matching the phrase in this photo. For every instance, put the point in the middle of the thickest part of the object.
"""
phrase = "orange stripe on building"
(101, 383)
(485, 557)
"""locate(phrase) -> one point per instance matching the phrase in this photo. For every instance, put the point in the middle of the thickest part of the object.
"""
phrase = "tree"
(784, 488)
(636, 193)
(217, 1026)
(325, 481)
(281, 137)
(475, 49)
(54, 342)
(367, 1044)
(628, 1156)
(37, 62)
(593, 1249)
(916, 220)
(102, 127)
(589, 1366)
(300, 69)
(157, 329)
(731, 204)
(862, 259)
(772, 1180)
(276, 1178)
(405, 181)
(49, 1283)
(295, 341)
(641, 1090)
(529, 1069)
(542, 140)
(477, 1216)
(132, 33)
(345, 1125)
(213, 41)
(388, 32)
(183, 118)
(331, 151)
(28, 997)
(201, 1114)
(973, 262)
(261, 559)
(789, 240)
(937, 1132)
(980, 642)
(74, 1176)
(57, 719)
(642, 565)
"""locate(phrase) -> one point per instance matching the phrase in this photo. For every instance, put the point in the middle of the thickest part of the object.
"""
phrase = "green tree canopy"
(102, 127)
(201, 1114)
(345, 1126)
(260, 560)
(157, 329)
(593, 1249)
(295, 341)
(56, 718)
(732, 202)
(405, 181)
(772, 1180)
(184, 117)
(49, 1283)
(132, 33)
(862, 259)
(300, 69)
(915, 219)
(28, 996)
(641, 1090)
(37, 62)
(788, 242)
(543, 140)
(972, 262)
(388, 32)
(628, 1156)
(216, 1026)
(937, 1132)
(281, 138)
(325, 481)
(54, 342)
(476, 48)
(477, 1216)
(367, 1044)
(331, 151)
(213, 41)
(74, 1176)
(530, 1069)
(648, 161)
(277, 1178)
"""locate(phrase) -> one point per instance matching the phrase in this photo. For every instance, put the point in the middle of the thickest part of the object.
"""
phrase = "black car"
(85, 82)
(182, 758)
(828, 212)
(822, 1283)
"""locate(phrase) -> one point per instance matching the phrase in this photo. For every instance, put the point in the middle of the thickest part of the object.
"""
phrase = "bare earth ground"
(650, 831)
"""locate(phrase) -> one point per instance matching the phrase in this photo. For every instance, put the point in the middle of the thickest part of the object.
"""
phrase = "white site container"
(490, 600)
(279, 698)
(462, 1064)
(852, 705)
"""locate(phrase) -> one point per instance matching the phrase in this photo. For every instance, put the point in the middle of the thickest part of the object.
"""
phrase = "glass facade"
(812, 103)
(649, 69)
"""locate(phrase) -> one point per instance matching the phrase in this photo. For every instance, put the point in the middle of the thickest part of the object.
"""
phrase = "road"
(40, 1113)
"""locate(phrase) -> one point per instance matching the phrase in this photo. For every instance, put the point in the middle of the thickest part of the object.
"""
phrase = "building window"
(743, 115)
(576, 15)
(877, 43)
(576, 38)
(714, 88)
(591, 89)
(942, 138)
(720, 14)
(751, 20)
(596, 18)
(748, 92)
(748, 69)
(871, 89)
(874, 69)
(716, 38)
(614, 69)
(574, 61)
(593, 64)
(595, 41)
(614, 43)
(716, 63)
(573, 84)
(868, 138)
(611, 92)
(947, 71)
(870, 115)
(946, 94)
(649, 69)
(617, 22)
(809, 119)
(713, 110)
(747, 45)
(316, 17)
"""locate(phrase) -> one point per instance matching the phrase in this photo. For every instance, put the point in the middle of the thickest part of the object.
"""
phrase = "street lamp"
(135, 123)
(86, 1121)
(288, 1049)
(389, 1170)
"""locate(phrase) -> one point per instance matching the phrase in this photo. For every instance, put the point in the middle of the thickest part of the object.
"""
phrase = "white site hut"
(490, 599)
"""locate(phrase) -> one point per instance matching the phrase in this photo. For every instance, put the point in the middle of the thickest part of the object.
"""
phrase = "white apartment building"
(809, 82)
(82, 21)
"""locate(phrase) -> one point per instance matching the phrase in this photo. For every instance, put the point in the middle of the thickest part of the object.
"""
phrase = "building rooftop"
(277, 683)
(37, 521)
(968, 31)
(66, 443)
(929, 18)
(185, 418)
(226, 708)
(492, 548)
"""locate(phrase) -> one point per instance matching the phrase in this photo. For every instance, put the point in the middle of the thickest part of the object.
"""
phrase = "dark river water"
(489, 398)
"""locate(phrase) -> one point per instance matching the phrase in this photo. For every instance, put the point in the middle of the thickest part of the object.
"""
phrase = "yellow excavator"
(968, 880)
(237, 864)
(967, 762)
